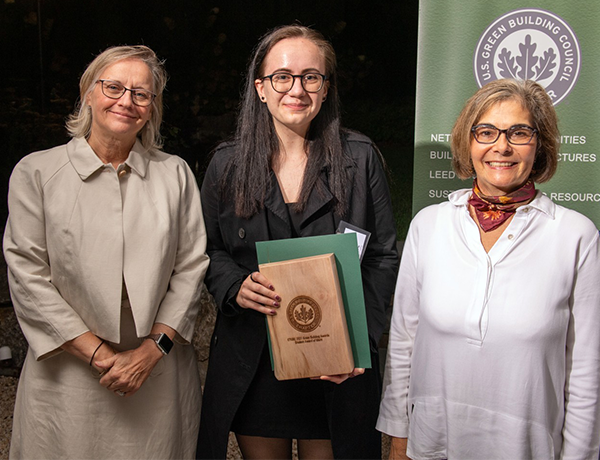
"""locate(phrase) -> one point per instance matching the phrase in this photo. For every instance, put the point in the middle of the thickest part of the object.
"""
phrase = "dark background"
(46, 44)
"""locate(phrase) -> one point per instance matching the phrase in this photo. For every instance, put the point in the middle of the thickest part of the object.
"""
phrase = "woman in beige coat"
(105, 245)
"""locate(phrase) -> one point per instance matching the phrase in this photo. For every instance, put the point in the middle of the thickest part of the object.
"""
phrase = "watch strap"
(162, 341)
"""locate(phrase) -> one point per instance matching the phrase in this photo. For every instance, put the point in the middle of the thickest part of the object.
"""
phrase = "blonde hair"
(79, 123)
(534, 99)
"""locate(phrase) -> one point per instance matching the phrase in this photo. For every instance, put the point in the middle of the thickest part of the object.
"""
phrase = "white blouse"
(77, 231)
(496, 355)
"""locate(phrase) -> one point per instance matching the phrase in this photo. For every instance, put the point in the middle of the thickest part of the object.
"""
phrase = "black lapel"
(278, 219)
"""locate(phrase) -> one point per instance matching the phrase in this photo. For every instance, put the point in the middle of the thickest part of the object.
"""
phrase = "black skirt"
(282, 409)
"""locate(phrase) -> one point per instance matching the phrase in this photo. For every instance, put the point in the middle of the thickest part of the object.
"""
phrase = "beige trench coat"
(72, 239)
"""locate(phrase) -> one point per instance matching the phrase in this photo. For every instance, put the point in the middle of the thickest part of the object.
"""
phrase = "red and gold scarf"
(492, 211)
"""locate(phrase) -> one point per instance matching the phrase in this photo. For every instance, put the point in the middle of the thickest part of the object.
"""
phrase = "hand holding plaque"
(309, 335)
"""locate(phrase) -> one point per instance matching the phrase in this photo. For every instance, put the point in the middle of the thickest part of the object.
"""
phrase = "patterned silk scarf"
(492, 211)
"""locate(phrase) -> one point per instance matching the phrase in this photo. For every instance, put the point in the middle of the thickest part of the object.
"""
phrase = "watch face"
(165, 343)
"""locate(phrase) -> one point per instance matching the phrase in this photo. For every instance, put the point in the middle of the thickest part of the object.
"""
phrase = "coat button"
(242, 233)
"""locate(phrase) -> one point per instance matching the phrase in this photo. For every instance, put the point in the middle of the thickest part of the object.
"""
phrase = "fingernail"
(273, 312)
(278, 298)
(271, 287)
(275, 304)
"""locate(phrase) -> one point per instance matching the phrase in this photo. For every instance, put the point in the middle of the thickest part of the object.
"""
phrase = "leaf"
(544, 69)
(527, 60)
(507, 64)
(304, 315)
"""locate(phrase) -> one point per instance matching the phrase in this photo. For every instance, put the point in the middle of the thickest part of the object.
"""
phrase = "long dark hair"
(248, 172)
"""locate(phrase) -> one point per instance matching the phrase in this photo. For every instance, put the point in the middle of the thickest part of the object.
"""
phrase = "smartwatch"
(163, 342)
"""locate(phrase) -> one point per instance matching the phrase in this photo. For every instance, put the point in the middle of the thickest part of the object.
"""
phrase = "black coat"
(240, 335)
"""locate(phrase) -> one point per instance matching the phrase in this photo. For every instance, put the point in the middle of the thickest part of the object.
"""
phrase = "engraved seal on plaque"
(304, 314)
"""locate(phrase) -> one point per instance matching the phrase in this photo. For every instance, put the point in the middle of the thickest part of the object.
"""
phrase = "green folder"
(344, 246)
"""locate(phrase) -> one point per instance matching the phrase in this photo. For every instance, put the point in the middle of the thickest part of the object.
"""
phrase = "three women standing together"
(495, 337)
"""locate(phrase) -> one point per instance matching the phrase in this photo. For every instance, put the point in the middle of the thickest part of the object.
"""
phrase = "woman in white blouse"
(105, 245)
(494, 345)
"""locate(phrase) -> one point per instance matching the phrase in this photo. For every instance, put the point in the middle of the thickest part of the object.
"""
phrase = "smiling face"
(502, 168)
(295, 109)
(120, 119)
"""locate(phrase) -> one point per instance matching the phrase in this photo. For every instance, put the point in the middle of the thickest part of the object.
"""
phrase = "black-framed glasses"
(516, 135)
(115, 90)
(282, 82)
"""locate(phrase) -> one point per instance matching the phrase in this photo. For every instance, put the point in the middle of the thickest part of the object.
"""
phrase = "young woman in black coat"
(291, 171)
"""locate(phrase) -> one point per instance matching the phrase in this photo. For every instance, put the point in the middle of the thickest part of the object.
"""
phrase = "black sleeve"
(224, 276)
(380, 262)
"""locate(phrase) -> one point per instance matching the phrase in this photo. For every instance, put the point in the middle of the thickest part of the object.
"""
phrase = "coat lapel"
(276, 213)
(278, 219)
(319, 196)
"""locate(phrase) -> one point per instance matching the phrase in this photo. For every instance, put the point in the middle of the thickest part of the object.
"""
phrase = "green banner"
(465, 44)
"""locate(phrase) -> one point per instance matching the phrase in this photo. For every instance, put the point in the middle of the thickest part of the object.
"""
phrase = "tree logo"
(304, 314)
(529, 44)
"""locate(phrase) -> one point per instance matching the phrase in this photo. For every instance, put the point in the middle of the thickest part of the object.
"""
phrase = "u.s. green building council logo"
(529, 44)
(304, 314)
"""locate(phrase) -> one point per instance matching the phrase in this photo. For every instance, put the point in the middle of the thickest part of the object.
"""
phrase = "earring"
(263, 98)
(324, 98)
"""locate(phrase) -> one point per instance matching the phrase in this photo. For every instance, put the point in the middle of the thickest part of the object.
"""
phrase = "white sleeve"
(581, 429)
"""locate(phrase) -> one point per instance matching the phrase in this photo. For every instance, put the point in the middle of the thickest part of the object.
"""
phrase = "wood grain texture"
(309, 335)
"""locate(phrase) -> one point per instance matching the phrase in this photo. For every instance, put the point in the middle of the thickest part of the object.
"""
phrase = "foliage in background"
(206, 46)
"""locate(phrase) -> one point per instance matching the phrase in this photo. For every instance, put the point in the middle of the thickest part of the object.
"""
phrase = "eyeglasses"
(283, 82)
(516, 135)
(115, 90)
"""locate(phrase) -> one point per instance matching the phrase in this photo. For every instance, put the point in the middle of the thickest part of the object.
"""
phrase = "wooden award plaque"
(309, 335)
